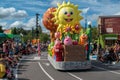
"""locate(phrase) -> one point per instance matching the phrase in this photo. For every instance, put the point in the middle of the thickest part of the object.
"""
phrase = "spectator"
(116, 50)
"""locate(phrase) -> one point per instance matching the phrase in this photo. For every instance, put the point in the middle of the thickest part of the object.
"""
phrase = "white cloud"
(43, 27)
(11, 13)
(6, 12)
(85, 10)
(17, 24)
(91, 2)
(54, 2)
(118, 13)
(93, 17)
(19, 14)
(3, 24)
(31, 23)
(28, 25)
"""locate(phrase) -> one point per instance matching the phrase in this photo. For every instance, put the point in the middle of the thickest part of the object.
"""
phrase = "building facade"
(109, 29)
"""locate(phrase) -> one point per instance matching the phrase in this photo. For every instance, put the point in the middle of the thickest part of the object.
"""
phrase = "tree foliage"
(31, 34)
(94, 33)
(1, 30)
(44, 37)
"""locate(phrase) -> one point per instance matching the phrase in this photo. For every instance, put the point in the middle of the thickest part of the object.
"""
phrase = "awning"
(3, 35)
(111, 38)
(10, 35)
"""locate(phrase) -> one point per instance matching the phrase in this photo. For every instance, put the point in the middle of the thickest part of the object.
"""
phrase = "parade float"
(68, 40)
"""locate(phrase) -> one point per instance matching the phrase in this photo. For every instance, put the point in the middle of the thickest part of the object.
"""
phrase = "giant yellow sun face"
(67, 13)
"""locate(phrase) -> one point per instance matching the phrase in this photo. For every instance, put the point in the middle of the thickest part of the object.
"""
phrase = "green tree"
(14, 30)
(44, 37)
(1, 30)
(94, 33)
(40, 29)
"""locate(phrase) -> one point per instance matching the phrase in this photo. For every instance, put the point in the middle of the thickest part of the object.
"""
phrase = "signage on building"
(110, 24)
(111, 38)
(109, 30)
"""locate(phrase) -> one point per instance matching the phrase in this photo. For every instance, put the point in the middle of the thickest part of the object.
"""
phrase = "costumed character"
(83, 39)
(58, 50)
(67, 41)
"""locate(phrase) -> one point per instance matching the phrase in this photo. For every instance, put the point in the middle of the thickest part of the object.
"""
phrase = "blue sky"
(21, 13)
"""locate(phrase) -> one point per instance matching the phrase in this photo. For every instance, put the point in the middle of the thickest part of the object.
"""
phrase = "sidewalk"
(113, 64)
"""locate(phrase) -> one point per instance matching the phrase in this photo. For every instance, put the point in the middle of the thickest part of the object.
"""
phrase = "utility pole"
(89, 34)
(86, 23)
(37, 29)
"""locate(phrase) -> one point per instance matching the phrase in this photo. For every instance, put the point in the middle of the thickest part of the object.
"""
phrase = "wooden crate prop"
(74, 53)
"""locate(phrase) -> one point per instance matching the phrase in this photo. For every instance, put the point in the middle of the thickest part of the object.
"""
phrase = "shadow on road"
(23, 79)
(97, 67)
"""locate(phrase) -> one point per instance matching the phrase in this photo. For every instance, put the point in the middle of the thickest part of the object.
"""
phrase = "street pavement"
(32, 67)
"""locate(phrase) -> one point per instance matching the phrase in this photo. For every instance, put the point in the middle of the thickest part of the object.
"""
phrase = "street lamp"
(37, 31)
(99, 33)
(89, 34)
(21, 37)
(85, 23)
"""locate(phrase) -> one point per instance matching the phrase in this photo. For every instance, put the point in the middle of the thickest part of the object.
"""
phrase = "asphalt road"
(32, 67)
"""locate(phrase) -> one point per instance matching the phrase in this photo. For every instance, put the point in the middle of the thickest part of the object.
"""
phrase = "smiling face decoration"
(67, 13)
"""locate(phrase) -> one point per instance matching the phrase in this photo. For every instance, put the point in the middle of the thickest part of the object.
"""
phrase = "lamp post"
(37, 31)
(21, 37)
(32, 32)
(89, 34)
(85, 23)
(99, 30)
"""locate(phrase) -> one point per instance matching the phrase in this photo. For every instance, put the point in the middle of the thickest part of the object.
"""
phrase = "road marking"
(47, 64)
(16, 75)
(106, 70)
(75, 76)
(37, 58)
(32, 59)
(45, 71)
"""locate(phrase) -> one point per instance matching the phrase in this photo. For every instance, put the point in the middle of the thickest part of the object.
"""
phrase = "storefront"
(110, 41)
(109, 29)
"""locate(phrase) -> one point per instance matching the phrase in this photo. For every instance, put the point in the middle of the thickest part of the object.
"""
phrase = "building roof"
(109, 16)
